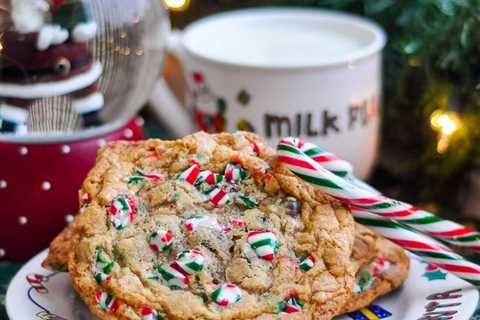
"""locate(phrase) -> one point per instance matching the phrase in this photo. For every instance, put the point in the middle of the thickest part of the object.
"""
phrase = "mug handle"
(164, 102)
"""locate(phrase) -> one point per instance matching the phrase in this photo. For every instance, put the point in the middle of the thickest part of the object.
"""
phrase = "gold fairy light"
(446, 123)
(177, 5)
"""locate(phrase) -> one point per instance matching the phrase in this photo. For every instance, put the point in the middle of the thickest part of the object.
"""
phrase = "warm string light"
(446, 123)
(177, 5)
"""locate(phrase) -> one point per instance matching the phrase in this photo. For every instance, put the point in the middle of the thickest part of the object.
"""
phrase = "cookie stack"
(213, 227)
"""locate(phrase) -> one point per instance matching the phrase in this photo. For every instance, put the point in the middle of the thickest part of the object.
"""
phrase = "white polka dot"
(139, 121)
(3, 184)
(66, 149)
(23, 151)
(68, 218)
(46, 185)
(22, 220)
(2, 253)
(128, 133)
(101, 142)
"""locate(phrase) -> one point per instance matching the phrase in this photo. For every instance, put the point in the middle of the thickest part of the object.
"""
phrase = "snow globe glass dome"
(73, 74)
(70, 69)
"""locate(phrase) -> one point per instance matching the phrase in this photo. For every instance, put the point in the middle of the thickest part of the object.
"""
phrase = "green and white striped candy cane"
(290, 153)
(334, 164)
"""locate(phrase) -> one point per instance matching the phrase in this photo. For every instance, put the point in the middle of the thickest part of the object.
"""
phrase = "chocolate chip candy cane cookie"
(207, 227)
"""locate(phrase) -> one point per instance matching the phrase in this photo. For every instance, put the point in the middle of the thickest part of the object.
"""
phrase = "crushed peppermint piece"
(247, 202)
(177, 273)
(106, 301)
(195, 222)
(147, 313)
(103, 266)
(122, 211)
(209, 177)
(290, 305)
(264, 243)
(306, 263)
(190, 175)
(142, 176)
(235, 173)
(218, 197)
(226, 294)
(161, 240)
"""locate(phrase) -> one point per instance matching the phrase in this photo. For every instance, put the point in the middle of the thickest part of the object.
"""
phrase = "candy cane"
(301, 164)
(431, 250)
(421, 245)
(334, 164)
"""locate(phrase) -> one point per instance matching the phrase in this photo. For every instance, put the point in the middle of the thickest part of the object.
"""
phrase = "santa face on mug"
(209, 109)
(46, 54)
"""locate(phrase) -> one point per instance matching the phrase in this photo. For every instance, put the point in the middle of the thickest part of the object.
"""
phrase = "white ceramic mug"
(314, 74)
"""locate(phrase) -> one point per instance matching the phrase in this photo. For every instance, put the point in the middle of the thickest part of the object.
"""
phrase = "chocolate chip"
(293, 206)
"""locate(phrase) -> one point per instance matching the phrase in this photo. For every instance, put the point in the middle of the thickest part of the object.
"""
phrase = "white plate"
(428, 291)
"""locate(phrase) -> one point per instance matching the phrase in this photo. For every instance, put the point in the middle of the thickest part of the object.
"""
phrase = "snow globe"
(73, 75)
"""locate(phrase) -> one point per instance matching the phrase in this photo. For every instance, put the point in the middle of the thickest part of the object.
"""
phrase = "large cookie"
(381, 266)
(207, 227)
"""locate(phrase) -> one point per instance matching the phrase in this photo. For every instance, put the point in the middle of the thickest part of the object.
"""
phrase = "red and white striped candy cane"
(334, 164)
(421, 245)
(290, 153)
